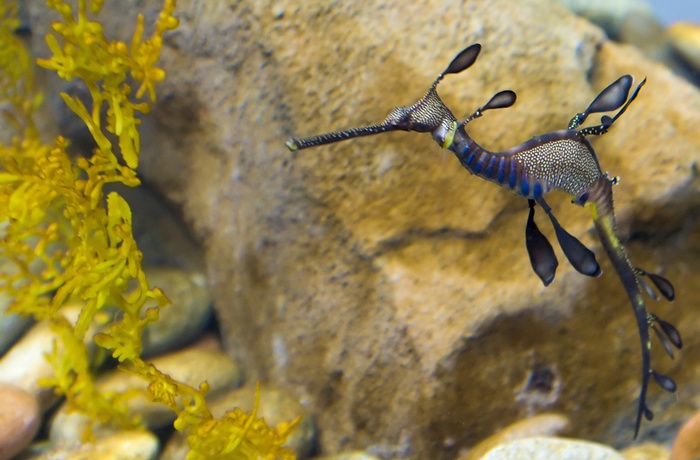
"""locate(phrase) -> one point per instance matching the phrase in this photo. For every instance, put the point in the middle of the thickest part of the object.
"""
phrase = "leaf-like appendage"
(580, 257)
(671, 332)
(500, 100)
(664, 382)
(542, 258)
(464, 59)
(612, 97)
(663, 285)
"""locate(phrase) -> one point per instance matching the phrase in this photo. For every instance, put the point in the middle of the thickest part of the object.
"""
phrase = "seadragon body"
(562, 160)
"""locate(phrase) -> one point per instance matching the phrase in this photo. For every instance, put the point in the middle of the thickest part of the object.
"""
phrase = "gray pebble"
(184, 319)
(276, 406)
(203, 361)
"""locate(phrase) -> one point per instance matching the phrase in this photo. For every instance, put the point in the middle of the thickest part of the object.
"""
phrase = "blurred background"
(669, 12)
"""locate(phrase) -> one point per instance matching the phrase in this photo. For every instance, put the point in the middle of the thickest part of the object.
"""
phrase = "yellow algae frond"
(62, 241)
(105, 66)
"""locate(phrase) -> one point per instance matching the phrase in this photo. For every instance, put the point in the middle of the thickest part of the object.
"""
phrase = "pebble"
(184, 319)
(539, 425)
(19, 420)
(685, 38)
(276, 406)
(606, 14)
(161, 235)
(687, 443)
(646, 451)
(545, 448)
(131, 445)
(202, 361)
(25, 364)
(625, 21)
(359, 455)
(11, 325)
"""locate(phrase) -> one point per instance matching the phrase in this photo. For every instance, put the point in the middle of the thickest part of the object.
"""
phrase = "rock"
(609, 15)
(158, 229)
(276, 406)
(627, 21)
(632, 22)
(643, 30)
(348, 456)
(203, 361)
(685, 38)
(11, 325)
(25, 364)
(646, 451)
(687, 443)
(183, 320)
(542, 448)
(377, 279)
(19, 420)
(132, 445)
(539, 425)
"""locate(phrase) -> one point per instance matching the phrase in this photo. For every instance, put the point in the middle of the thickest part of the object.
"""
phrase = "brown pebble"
(687, 443)
(538, 425)
(19, 420)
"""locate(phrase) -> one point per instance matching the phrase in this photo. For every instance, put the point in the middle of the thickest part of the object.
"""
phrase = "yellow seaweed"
(62, 241)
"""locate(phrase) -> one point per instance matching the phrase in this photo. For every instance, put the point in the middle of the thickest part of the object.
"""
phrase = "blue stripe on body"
(489, 168)
(525, 187)
(479, 165)
(501, 170)
(537, 190)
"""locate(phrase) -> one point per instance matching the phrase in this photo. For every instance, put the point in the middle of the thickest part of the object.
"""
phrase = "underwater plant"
(64, 240)
(562, 160)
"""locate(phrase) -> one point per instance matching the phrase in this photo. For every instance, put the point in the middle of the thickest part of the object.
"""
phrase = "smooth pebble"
(687, 443)
(685, 38)
(11, 325)
(358, 455)
(646, 451)
(131, 445)
(25, 364)
(539, 425)
(202, 361)
(546, 448)
(184, 319)
(276, 406)
(19, 420)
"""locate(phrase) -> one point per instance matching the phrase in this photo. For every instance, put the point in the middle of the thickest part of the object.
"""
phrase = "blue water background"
(670, 11)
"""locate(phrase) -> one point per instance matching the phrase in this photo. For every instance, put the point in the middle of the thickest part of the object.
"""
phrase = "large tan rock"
(375, 277)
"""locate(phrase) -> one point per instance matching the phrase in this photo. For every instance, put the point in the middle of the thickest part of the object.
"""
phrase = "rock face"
(375, 278)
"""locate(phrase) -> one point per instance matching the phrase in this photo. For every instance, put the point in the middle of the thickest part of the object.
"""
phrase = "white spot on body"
(566, 164)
